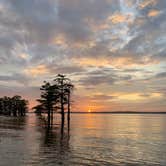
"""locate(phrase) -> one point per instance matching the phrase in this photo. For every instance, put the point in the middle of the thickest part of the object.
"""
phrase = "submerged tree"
(68, 90)
(64, 85)
(38, 109)
(49, 97)
(15, 106)
(56, 96)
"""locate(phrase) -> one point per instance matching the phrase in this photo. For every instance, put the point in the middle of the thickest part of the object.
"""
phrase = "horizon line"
(113, 112)
(121, 112)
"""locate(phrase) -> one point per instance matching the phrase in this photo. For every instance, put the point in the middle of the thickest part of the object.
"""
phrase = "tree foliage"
(13, 106)
(55, 96)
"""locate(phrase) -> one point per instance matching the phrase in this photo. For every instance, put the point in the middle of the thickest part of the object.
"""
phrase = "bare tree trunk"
(62, 128)
(48, 117)
(62, 109)
(52, 116)
(68, 114)
(62, 104)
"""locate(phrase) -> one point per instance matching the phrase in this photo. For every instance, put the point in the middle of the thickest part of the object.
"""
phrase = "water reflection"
(7, 125)
(89, 140)
(54, 144)
(58, 134)
(12, 123)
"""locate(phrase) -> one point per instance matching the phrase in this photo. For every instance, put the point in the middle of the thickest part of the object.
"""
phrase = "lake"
(93, 139)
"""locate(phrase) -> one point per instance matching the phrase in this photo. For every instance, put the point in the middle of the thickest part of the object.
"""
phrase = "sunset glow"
(82, 82)
(112, 50)
(89, 110)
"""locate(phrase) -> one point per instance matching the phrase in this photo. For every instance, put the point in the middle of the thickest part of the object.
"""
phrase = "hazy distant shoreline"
(125, 112)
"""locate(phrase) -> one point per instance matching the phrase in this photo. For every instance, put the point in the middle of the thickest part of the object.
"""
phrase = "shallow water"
(93, 139)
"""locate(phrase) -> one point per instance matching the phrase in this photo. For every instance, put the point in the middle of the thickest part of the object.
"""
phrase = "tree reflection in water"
(13, 122)
(54, 143)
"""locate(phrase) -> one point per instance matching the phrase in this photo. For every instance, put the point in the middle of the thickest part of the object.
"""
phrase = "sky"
(114, 51)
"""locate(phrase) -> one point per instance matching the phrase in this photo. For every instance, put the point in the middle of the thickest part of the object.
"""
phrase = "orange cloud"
(37, 70)
(23, 55)
(153, 13)
(92, 62)
(59, 40)
(147, 3)
(119, 62)
(120, 18)
(138, 96)
(97, 26)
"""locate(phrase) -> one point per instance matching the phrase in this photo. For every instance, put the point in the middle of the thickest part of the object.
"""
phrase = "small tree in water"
(15, 106)
(55, 96)
(65, 86)
(49, 98)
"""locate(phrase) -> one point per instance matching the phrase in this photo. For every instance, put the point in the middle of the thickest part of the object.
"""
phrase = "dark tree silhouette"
(38, 109)
(49, 98)
(15, 106)
(65, 86)
(68, 90)
(55, 96)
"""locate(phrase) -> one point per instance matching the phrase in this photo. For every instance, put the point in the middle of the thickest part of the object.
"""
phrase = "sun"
(89, 110)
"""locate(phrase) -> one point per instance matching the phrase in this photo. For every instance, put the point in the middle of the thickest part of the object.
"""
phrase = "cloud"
(96, 80)
(109, 44)
(23, 56)
(137, 97)
(102, 97)
(147, 3)
(54, 28)
(161, 75)
(66, 69)
(153, 13)
(120, 18)
(19, 78)
(103, 76)
(37, 70)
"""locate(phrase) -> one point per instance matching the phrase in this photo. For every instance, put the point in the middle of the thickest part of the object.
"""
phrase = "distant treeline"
(13, 106)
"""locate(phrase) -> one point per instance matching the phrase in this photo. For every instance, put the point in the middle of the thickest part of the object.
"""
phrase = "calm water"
(93, 139)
